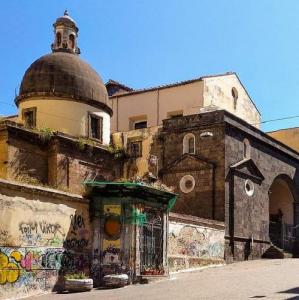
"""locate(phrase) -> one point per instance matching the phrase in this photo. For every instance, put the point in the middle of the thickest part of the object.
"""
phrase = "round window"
(249, 187)
(187, 184)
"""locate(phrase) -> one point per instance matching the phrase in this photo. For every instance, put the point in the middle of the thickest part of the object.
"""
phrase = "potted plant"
(78, 282)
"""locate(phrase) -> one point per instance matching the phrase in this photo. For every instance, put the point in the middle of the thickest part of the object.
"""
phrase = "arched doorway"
(281, 213)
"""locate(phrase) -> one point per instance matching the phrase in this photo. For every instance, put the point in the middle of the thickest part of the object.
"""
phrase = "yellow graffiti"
(16, 255)
(3, 260)
(9, 271)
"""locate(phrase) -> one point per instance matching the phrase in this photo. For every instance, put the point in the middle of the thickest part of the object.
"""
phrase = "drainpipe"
(117, 111)
(158, 106)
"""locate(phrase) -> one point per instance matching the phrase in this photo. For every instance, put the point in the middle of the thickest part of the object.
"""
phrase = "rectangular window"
(140, 125)
(96, 127)
(136, 149)
(175, 114)
(29, 117)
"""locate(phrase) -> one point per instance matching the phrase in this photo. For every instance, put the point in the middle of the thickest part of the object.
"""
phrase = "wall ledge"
(40, 190)
(196, 221)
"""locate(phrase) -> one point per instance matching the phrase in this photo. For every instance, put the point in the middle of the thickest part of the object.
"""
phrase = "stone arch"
(282, 199)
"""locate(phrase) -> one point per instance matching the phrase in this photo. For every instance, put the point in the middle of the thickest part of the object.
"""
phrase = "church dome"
(62, 74)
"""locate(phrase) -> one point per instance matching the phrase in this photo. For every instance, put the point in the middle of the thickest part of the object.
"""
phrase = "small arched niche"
(235, 96)
(246, 148)
(72, 41)
(58, 38)
(189, 143)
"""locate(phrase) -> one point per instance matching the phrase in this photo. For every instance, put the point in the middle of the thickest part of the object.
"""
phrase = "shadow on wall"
(40, 242)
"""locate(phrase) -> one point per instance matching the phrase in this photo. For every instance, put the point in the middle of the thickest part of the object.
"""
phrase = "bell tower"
(66, 34)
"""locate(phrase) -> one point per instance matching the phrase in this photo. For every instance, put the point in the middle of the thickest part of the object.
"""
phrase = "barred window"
(136, 149)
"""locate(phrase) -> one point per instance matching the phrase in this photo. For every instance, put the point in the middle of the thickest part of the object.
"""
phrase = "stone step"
(274, 252)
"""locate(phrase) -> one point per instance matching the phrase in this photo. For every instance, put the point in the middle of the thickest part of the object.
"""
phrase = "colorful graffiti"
(24, 263)
(196, 241)
(111, 262)
(9, 269)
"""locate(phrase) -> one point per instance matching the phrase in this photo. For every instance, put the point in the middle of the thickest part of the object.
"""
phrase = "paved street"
(265, 279)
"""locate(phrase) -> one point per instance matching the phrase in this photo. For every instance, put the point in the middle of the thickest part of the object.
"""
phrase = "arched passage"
(281, 212)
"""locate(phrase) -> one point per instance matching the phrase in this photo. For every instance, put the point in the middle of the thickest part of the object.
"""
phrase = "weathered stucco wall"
(194, 242)
(136, 165)
(218, 92)
(288, 136)
(43, 235)
(66, 116)
(156, 104)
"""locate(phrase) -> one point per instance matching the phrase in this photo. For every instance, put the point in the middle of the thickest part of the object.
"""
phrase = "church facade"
(105, 179)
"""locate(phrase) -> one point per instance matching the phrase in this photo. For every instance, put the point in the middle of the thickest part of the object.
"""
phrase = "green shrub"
(45, 134)
(80, 275)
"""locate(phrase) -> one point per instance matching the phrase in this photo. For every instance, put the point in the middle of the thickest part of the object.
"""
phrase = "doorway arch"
(281, 213)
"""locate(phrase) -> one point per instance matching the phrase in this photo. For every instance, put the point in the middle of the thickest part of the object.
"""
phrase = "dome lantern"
(62, 92)
(66, 34)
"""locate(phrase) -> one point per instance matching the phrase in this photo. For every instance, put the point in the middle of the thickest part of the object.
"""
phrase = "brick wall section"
(59, 162)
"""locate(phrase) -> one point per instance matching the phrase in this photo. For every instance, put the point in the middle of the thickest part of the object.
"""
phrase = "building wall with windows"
(66, 116)
(153, 105)
(227, 92)
(137, 146)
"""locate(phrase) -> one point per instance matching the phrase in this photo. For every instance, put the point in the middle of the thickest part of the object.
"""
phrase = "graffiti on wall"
(23, 265)
(42, 232)
(78, 237)
(196, 241)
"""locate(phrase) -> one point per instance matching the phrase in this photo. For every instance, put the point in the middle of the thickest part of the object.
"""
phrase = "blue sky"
(153, 42)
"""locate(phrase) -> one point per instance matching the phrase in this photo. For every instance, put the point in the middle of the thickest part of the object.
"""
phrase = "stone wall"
(44, 234)
(58, 160)
(206, 165)
(247, 216)
(194, 242)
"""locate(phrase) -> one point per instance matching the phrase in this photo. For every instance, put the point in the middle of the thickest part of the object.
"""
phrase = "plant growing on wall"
(45, 134)
(83, 142)
(118, 152)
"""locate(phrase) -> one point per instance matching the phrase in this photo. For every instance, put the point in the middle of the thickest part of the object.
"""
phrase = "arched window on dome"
(72, 41)
(58, 38)
(189, 143)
